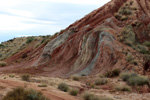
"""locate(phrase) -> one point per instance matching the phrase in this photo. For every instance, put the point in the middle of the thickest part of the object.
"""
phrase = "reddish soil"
(89, 46)
(53, 94)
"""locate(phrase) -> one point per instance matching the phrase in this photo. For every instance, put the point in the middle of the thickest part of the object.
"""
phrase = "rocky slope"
(116, 35)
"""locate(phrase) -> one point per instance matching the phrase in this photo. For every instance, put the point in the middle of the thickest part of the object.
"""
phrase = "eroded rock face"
(100, 41)
(90, 45)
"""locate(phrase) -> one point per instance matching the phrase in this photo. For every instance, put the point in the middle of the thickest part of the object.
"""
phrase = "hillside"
(103, 56)
(113, 36)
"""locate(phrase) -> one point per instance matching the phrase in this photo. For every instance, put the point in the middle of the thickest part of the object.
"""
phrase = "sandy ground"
(49, 91)
(7, 83)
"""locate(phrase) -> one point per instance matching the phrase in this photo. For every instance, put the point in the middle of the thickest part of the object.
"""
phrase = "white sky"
(41, 17)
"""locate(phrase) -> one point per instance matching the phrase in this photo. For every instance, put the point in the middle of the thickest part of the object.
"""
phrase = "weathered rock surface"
(99, 42)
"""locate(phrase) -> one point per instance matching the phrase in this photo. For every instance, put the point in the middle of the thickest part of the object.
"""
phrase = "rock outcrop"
(113, 36)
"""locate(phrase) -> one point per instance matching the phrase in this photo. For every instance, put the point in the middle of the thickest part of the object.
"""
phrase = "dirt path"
(54, 94)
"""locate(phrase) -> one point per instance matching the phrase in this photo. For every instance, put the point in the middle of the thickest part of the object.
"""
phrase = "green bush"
(74, 92)
(125, 12)
(123, 18)
(138, 81)
(131, 2)
(118, 16)
(11, 76)
(25, 77)
(76, 78)
(123, 88)
(126, 75)
(42, 85)
(147, 43)
(129, 58)
(29, 40)
(88, 96)
(63, 87)
(144, 51)
(134, 62)
(134, 79)
(3, 64)
(113, 73)
(101, 81)
(20, 93)
(2, 46)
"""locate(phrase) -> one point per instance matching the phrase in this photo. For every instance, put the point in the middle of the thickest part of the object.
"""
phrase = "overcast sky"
(41, 17)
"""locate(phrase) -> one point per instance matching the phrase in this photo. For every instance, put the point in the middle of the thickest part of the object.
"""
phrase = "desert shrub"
(129, 58)
(134, 8)
(74, 92)
(63, 87)
(131, 2)
(25, 77)
(101, 81)
(125, 12)
(76, 78)
(11, 76)
(123, 88)
(88, 96)
(126, 75)
(29, 40)
(42, 85)
(118, 16)
(3, 64)
(20, 93)
(144, 51)
(96, 98)
(113, 73)
(147, 43)
(134, 79)
(134, 62)
(138, 81)
(104, 98)
(24, 55)
(123, 18)
(2, 46)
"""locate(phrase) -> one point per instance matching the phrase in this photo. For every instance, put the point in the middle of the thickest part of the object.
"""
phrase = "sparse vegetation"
(144, 50)
(126, 75)
(134, 79)
(129, 58)
(63, 87)
(138, 81)
(113, 73)
(11, 76)
(29, 39)
(3, 64)
(20, 93)
(89, 96)
(25, 77)
(134, 62)
(42, 85)
(123, 88)
(147, 43)
(125, 11)
(131, 2)
(124, 17)
(101, 81)
(2, 46)
(74, 92)
(24, 55)
(76, 78)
